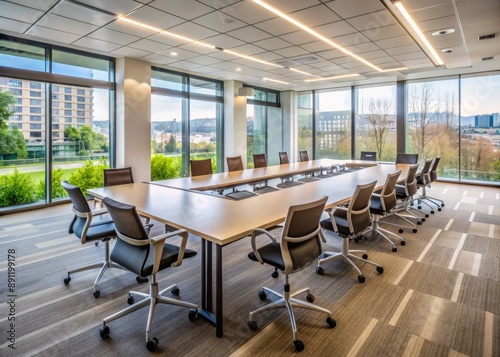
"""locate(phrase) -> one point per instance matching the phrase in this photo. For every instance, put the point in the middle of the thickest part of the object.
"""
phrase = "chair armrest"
(159, 241)
(332, 218)
(256, 232)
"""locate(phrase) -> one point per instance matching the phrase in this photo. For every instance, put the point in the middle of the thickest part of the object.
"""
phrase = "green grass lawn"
(40, 175)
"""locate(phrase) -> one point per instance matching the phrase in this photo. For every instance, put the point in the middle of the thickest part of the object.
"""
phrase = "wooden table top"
(223, 221)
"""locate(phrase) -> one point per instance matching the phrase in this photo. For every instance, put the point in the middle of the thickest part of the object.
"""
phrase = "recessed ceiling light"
(174, 54)
(443, 32)
(447, 50)
(274, 80)
(238, 69)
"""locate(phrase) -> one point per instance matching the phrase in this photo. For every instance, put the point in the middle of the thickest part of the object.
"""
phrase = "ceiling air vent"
(296, 61)
(487, 37)
(487, 58)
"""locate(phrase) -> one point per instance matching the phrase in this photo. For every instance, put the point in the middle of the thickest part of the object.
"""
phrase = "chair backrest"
(80, 207)
(433, 170)
(301, 235)
(424, 174)
(129, 225)
(368, 155)
(118, 176)
(411, 180)
(201, 167)
(402, 158)
(358, 211)
(388, 194)
(284, 158)
(259, 160)
(234, 163)
(303, 156)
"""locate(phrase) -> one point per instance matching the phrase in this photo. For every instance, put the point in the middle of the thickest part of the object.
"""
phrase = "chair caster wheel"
(275, 274)
(310, 298)
(96, 243)
(414, 230)
(439, 209)
(104, 332)
(442, 204)
(175, 291)
(299, 345)
(97, 294)
(426, 215)
(403, 242)
(252, 325)
(419, 207)
(320, 271)
(331, 322)
(141, 280)
(356, 240)
(364, 256)
(401, 230)
(152, 343)
(380, 270)
(262, 295)
(394, 249)
(131, 300)
(67, 280)
(432, 212)
(419, 222)
(193, 315)
(361, 279)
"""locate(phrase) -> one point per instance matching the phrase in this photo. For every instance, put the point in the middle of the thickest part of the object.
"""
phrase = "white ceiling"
(364, 27)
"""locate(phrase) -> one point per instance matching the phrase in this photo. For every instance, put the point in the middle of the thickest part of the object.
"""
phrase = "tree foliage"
(90, 175)
(7, 100)
(165, 167)
(89, 140)
(17, 188)
(12, 144)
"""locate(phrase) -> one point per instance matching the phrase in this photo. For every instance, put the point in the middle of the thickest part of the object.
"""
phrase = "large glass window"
(80, 148)
(376, 121)
(305, 122)
(480, 128)
(333, 124)
(264, 126)
(186, 123)
(432, 122)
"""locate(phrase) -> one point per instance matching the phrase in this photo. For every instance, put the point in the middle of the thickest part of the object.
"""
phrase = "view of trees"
(89, 141)
(12, 143)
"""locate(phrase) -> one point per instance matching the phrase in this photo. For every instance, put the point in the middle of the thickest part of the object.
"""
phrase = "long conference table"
(181, 204)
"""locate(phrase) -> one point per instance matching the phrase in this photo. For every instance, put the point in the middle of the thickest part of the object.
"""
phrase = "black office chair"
(145, 256)
(286, 181)
(423, 180)
(382, 204)
(309, 176)
(405, 193)
(368, 155)
(259, 161)
(433, 174)
(235, 163)
(299, 246)
(90, 226)
(347, 222)
(402, 158)
(201, 167)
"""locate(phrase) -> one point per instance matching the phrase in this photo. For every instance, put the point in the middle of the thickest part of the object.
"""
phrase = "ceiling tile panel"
(249, 34)
(81, 13)
(219, 21)
(96, 44)
(298, 37)
(149, 45)
(248, 49)
(372, 21)
(193, 31)
(52, 35)
(156, 18)
(186, 9)
(316, 46)
(335, 29)
(351, 8)
(131, 29)
(395, 42)
(403, 49)
(39, 5)
(434, 11)
(13, 25)
(119, 7)
(248, 11)
(223, 41)
(129, 52)
(19, 13)
(113, 36)
(292, 5)
(159, 59)
(272, 44)
(315, 16)
(68, 25)
(277, 26)
(204, 60)
(382, 33)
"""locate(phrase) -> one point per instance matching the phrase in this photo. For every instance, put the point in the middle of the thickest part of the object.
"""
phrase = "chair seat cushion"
(340, 216)
(270, 254)
(401, 192)
(101, 229)
(376, 205)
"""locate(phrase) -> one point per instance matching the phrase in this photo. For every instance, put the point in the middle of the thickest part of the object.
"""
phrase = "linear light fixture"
(330, 78)
(251, 58)
(394, 69)
(274, 80)
(398, 4)
(315, 34)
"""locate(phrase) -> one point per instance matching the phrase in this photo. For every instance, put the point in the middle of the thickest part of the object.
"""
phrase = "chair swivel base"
(375, 228)
(287, 300)
(348, 255)
(152, 299)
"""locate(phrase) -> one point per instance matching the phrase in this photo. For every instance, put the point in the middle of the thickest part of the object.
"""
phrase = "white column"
(290, 124)
(133, 117)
